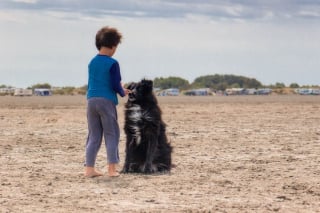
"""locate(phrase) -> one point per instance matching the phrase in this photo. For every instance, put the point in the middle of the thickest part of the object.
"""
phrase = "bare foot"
(90, 172)
(113, 174)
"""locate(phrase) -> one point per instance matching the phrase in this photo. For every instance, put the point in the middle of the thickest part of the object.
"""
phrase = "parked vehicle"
(42, 92)
(307, 91)
(22, 92)
(169, 92)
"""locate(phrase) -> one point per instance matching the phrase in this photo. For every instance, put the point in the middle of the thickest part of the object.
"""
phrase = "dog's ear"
(147, 83)
(131, 86)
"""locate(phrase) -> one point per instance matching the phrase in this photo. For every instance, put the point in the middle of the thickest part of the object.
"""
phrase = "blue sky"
(52, 42)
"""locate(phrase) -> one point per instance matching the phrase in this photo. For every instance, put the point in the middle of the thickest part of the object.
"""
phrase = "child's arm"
(116, 80)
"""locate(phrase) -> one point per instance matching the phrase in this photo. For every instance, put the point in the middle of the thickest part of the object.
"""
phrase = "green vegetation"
(64, 91)
(222, 82)
(40, 86)
(216, 82)
(171, 82)
(5, 86)
(294, 85)
(70, 90)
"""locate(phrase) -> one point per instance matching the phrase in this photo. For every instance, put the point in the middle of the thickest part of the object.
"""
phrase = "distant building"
(42, 92)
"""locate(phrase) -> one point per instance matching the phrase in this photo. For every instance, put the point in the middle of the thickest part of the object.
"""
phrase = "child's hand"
(126, 91)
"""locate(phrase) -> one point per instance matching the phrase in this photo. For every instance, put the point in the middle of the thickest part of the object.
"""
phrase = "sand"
(232, 154)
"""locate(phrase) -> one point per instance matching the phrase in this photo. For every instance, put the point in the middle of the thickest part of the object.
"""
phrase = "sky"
(273, 41)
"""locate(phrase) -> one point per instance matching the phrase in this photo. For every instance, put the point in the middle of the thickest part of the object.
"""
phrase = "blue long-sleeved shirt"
(116, 79)
(104, 78)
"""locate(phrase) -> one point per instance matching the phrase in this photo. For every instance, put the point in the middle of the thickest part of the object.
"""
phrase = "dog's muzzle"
(132, 95)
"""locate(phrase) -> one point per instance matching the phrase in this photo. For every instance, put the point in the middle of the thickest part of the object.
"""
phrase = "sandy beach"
(232, 154)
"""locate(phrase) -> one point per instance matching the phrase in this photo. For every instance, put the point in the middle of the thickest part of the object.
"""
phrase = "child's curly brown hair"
(108, 37)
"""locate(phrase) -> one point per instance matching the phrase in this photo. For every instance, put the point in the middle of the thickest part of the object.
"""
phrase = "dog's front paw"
(147, 169)
(125, 169)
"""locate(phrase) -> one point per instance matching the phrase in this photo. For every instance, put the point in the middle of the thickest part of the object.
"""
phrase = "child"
(104, 82)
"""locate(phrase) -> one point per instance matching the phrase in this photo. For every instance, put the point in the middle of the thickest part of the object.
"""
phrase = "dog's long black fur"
(147, 147)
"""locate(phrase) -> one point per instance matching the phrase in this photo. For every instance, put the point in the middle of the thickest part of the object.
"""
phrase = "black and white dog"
(147, 147)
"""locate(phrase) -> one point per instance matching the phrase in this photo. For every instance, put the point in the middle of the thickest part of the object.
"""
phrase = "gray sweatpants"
(102, 121)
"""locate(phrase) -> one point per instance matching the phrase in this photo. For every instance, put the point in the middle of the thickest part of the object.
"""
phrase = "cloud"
(215, 9)
(271, 40)
(26, 1)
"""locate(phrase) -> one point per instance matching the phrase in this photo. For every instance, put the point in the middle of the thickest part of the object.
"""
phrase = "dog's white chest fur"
(135, 113)
(135, 116)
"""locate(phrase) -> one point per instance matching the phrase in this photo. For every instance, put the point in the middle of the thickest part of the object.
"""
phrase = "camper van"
(22, 92)
(42, 92)
(199, 92)
(169, 92)
(307, 91)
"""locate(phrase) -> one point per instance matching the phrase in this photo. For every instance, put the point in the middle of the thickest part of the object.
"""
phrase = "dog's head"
(140, 91)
